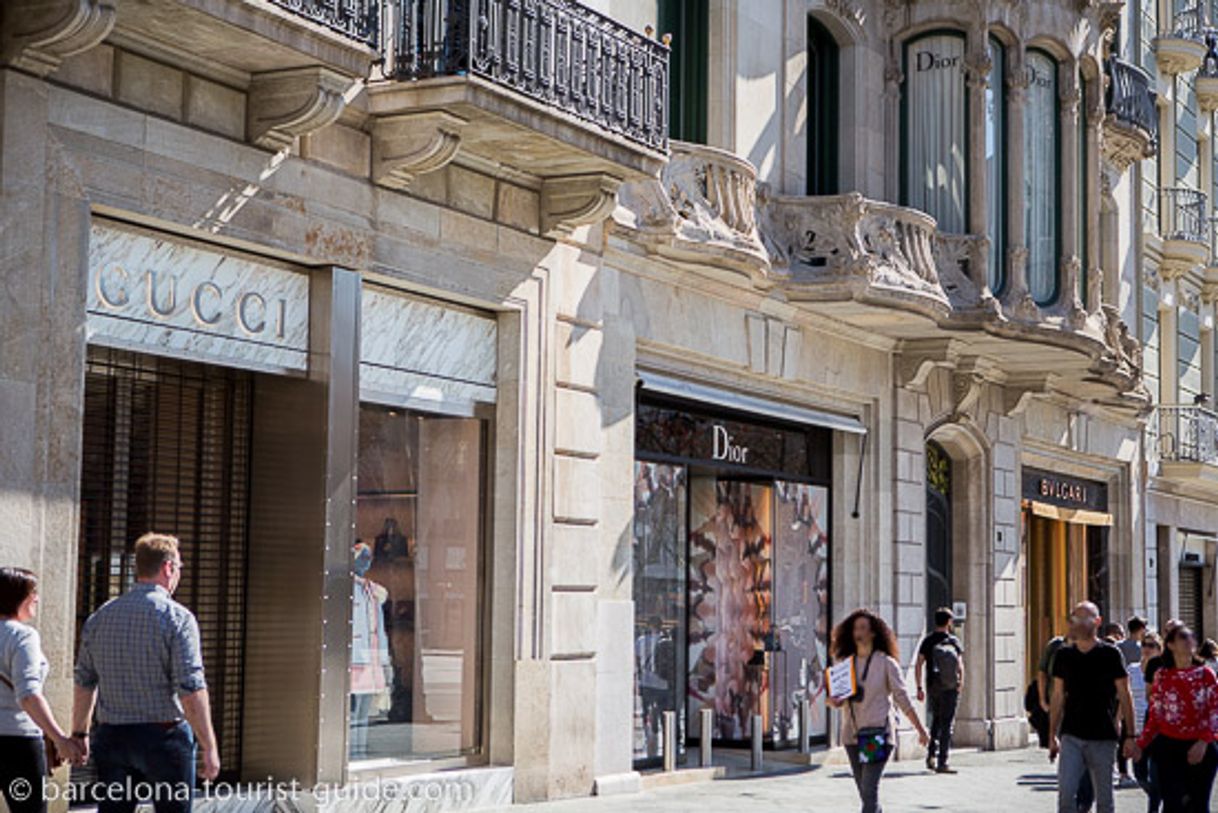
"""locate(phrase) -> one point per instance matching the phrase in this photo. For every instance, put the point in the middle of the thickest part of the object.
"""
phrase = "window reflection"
(415, 659)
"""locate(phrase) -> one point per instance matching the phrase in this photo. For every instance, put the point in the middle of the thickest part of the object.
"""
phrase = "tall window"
(1150, 340)
(689, 23)
(934, 112)
(1189, 350)
(996, 162)
(1188, 152)
(1146, 28)
(1042, 193)
(822, 110)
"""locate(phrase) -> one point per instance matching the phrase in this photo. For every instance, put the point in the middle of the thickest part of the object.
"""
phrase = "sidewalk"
(993, 782)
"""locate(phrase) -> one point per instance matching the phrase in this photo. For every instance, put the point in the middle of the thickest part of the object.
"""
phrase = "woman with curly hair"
(867, 729)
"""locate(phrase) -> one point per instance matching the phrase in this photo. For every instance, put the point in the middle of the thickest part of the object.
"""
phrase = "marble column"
(977, 71)
(1093, 105)
(1070, 263)
(1018, 299)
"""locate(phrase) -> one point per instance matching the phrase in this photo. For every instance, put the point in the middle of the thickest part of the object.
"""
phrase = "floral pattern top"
(1183, 706)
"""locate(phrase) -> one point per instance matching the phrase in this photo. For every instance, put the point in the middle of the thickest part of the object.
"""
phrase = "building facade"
(517, 372)
(1168, 219)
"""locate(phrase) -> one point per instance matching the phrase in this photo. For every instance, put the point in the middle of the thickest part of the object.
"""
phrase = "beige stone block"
(577, 416)
(471, 192)
(150, 85)
(576, 281)
(574, 555)
(577, 489)
(431, 186)
(344, 148)
(91, 71)
(397, 213)
(577, 354)
(573, 728)
(518, 207)
(215, 107)
(573, 623)
(460, 231)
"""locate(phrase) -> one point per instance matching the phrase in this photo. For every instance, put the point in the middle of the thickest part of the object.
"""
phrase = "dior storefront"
(731, 565)
(320, 444)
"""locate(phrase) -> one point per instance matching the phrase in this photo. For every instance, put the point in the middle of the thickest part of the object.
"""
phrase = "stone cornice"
(571, 201)
(411, 144)
(283, 105)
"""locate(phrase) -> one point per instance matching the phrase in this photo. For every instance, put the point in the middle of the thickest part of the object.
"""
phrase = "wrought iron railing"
(358, 19)
(1131, 97)
(1183, 215)
(556, 52)
(1187, 434)
(1188, 23)
(1214, 240)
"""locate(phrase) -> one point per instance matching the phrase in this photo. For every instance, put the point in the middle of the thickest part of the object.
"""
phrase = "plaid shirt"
(140, 651)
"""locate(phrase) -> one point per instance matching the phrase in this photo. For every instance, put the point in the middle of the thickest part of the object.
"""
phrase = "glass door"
(659, 600)
(730, 594)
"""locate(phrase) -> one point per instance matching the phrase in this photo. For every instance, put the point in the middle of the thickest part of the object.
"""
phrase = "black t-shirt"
(1091, 698)
(927, 650)
(1153, 665)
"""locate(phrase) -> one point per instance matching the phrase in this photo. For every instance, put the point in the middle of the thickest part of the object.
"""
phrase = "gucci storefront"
(731, 565)
(319, 443)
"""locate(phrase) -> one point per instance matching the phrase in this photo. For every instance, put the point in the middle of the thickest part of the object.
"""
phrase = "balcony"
(1184, 225)
(1182, 48)
(359, 19)
(1186, 444)
(546, 90)
(1207, 74)
(702, 210)
(1131, 121)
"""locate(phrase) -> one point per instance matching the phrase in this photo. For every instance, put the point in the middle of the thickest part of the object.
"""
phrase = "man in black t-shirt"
(942, 653)
(1090, 686)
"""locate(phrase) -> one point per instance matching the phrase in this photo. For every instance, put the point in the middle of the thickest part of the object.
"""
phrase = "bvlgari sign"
(1064, 492)
(150, 292)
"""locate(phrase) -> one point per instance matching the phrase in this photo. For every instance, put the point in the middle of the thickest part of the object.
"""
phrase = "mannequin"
(370, 664)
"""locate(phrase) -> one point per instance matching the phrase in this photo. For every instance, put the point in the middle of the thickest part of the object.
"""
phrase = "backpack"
(945, 665)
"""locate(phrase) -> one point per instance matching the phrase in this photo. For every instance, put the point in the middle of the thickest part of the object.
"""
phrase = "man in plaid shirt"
(140, 664)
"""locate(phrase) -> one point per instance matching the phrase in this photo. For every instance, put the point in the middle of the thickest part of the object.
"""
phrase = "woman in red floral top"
(1182, 726)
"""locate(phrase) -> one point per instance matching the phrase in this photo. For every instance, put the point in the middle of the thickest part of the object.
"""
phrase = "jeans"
(156, 758)
(1185, 788)
(1079, 758)
(941, 708)
(23, 763)
(1147, 774)
(866, 779)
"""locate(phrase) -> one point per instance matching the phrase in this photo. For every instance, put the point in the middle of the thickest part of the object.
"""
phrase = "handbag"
(875, 742)
(53, 757)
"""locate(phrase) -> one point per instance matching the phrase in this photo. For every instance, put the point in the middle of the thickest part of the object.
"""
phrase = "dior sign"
(726, 448)
(150, 292)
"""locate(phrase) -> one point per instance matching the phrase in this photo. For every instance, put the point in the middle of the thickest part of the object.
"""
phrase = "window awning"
(688, 390)
(1079, 516)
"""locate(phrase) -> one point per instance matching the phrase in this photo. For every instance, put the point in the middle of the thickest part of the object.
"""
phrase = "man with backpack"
(943, 657)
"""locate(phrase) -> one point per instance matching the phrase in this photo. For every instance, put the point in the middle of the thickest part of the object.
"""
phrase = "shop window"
(1042, 211)
(822, 110)
(688, 21)
(934, 113)
(416, 659)
(996, 163)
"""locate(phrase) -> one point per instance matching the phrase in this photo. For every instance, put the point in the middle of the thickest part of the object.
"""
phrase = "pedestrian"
(1090, 685)
(27, 723)
(867, 729)
(1131, 647)
(1113, 633)
(139, 661)
(1143, 769)
(1157, 662)
(943, 656)
(1181, 726)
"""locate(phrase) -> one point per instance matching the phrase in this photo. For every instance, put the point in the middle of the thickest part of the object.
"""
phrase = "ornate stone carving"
(702, 209)
(571, 201)
(285, 104)
(411, 144)
(1123, 353)
(37, 35)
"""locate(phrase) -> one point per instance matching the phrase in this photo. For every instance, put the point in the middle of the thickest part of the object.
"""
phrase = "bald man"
(1090, 688)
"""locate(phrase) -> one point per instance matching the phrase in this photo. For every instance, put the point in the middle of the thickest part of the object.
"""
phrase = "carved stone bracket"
(285, 104)
(917, 359)
(411, 144)
(37, 35)
(1017, 395)
(571, 201)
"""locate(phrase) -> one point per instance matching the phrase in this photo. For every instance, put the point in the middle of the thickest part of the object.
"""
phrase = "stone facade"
(598, 258)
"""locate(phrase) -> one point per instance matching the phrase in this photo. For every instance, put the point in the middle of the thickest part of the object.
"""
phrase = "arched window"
(1042, 193)
(822, 110)
(996, 163)
(934, 116)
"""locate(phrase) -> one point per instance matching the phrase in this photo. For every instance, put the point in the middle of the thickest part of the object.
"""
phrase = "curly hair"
(843, 635)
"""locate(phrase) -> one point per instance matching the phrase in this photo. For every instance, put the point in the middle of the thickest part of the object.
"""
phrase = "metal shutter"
(167, 448)
(1191, 605)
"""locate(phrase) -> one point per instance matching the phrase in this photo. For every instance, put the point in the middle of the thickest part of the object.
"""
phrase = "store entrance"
(731, 579)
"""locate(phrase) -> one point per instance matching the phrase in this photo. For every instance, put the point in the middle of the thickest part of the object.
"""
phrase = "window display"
(934, 113)
(416, 603)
